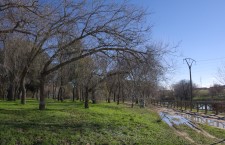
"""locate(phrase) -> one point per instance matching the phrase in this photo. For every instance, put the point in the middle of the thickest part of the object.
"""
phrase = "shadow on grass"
(51, 126)
(109, 106)
(27, 111)
(17, 112)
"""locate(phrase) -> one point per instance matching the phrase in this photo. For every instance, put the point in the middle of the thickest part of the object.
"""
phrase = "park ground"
(103, 123)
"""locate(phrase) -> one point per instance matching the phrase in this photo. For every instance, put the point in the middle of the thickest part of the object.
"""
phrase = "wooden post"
(197, 107)
(217, 108)
(217, 124)
(206, 108)
(181, 105)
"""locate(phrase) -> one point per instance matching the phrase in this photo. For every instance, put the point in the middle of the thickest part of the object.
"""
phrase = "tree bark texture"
(86, 105)
(42, 94)
(23, 91)
(93, 96)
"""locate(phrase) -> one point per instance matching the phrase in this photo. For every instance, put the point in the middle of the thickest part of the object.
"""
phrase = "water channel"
(204, 120)
(175, 119)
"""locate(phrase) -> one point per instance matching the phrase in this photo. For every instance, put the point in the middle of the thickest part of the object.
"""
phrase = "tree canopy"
(79, 42)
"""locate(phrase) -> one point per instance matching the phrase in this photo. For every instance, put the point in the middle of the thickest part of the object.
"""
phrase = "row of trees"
(97, 47)
(181, 91)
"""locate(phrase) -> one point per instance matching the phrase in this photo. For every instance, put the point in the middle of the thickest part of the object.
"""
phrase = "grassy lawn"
(197, 137)
(70, 123)
(219, 133)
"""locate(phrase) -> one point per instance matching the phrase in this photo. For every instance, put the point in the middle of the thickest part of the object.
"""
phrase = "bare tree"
(15, 55)
(220, 74)
(182, 90)
(80, 29)
(14, 15)
(102, 27)
(145, 75)
(23, 18)
(216, 89)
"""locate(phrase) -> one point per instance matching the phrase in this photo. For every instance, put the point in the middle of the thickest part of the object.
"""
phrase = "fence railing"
(215, 107)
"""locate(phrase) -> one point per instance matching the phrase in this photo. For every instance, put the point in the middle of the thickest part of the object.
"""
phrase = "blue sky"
(200, 27)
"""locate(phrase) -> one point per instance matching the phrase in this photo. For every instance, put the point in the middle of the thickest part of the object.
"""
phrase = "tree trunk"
(136, 101)
(23, 91)
(22, 85)
(119, 87)
(77, 93)
(86, 105)
(33, 94)
(123, 95)
(15, 92)
(61, 93)
(118, 96)
(132, 101)
(81, 93)
(93, 96)
(54, 86)
(53, 91)
(37, 94)
(109, 97)
(42, 93)
(10, 90)
(4, 95)
(73, 94)
(58, 97)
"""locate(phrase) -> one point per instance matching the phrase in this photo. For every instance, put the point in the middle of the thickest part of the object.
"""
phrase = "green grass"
(198, 137)
(208, 98)
(70, 123)
(204, 95)
(219, 133)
